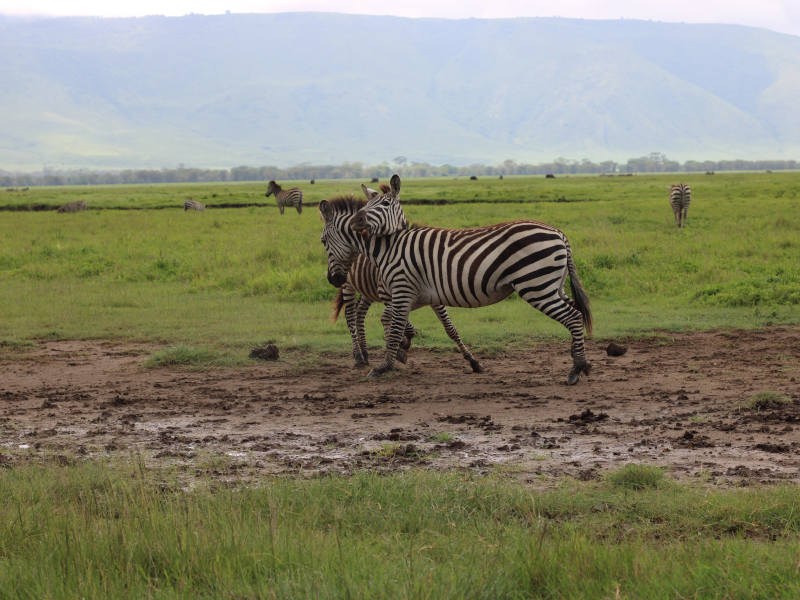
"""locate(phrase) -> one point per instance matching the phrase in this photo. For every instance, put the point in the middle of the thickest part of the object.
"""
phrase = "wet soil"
(676, 400)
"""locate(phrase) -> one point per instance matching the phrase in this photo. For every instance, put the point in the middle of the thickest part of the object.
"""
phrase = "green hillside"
(289, 88)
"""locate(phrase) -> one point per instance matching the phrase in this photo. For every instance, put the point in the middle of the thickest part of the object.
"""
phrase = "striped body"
(284, 198)
(680, 196)
(71, 207)
(193, 205)
(464, 267)
(362, 277)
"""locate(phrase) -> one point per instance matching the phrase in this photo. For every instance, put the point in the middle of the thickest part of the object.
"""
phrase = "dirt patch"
(675, 400)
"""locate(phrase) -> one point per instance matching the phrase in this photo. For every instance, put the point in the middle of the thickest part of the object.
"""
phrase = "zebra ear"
(325, 209)
(369, 193)
(394, 182)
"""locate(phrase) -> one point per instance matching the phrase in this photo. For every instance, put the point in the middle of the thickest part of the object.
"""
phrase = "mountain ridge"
(289, 88)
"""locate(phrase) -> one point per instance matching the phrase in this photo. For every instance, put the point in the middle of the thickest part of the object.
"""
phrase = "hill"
(310, 87)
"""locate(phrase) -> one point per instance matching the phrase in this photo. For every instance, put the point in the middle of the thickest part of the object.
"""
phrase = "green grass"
(181, 356)
(637, 477)
(227, 278)
(93, 530)
(766, 400)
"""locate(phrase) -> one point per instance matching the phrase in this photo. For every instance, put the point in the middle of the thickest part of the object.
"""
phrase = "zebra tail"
(579, 294)
(338, 303)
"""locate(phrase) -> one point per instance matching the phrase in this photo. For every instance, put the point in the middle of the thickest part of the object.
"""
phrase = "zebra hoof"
(378, 371)
(360, 363)
(476, 366)
(402, 355)
(574, 377)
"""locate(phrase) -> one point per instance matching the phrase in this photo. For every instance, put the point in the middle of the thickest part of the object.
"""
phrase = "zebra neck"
(377, 248)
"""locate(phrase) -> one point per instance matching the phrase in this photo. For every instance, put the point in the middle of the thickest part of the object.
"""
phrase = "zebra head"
(337, 236)
(383, 214)
(272, 188)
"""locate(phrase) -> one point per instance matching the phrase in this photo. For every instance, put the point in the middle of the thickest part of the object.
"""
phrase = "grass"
(226, 278)
(637, 477)
(182, 356)
(766, 401)
(99, 530)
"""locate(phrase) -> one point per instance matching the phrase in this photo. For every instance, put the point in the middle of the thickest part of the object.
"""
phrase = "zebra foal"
(290, 197)
(460, 267)
(680, 195)
(361, 276)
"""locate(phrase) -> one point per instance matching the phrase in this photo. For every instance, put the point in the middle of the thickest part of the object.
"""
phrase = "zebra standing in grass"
(459, 267)
(190, 204)
(362, 277)
(290, 197)
(680, 196)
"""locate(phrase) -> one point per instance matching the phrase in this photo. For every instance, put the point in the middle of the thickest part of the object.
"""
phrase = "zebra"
(363, 277)
(71, 207)
(459, 267)
(190, 204)
(290, 197)
(680, 196)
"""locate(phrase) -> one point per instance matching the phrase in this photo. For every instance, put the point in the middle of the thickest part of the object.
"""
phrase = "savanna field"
(143, 454)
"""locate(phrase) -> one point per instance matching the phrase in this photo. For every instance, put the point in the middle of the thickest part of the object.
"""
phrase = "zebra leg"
(280, 206)
(560, 308)
(361, 313)
(351, 313)
(405, 343)
(685, 212)
(452, 333)
(400, 310)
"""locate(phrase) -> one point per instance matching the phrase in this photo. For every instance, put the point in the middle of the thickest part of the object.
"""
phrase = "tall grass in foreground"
(97, 531)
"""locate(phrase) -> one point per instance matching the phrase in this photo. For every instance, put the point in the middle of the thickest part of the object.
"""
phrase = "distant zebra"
(290, 197)
(193, 205)
(363, 278)
(71, 207)
(457, 267)
(680, 196)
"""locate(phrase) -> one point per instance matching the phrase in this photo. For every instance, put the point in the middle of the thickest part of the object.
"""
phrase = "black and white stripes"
(363, 278)
(190, 204)
(680, 195)
(458, 267)
(284, 198)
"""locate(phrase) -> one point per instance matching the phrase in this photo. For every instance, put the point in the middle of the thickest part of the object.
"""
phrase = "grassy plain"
(213, 284)
(98, 530)
(232, 277)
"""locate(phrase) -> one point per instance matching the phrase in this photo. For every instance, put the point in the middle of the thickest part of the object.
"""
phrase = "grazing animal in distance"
(549, 176)
(290, 197)
(680, 195)
(311, 182)
(473, 178)
(71, 207)
(363, 277)
(374, 180)
(190, 204)
(470, 267)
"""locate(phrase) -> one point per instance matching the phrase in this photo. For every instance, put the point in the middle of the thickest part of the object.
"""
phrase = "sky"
(778, 15)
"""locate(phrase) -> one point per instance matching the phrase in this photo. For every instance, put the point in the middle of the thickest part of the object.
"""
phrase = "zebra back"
(680, 195)
(193, 205)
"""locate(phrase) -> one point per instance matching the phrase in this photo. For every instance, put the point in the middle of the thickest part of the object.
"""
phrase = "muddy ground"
(676, 400)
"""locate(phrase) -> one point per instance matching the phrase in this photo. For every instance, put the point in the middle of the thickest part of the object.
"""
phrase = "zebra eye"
(386, 202)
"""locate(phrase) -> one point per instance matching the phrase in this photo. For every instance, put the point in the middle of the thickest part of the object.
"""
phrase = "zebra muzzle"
(336, 279)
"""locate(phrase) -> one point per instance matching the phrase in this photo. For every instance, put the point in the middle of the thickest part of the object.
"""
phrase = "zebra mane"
(346, 203)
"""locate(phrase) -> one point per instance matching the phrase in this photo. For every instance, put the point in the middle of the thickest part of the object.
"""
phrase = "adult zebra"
(360, 275)
(290, 197)
(460, 267)
(190, 204)
(680, 195)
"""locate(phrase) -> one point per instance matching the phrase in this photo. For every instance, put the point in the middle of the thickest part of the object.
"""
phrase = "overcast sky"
(778, 15)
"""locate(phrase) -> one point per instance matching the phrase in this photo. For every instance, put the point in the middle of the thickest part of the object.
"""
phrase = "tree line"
(654, 162)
